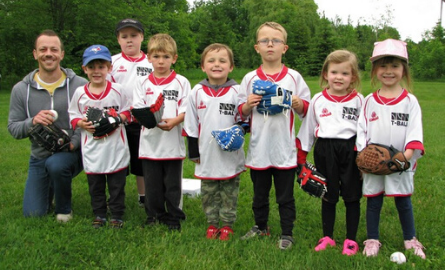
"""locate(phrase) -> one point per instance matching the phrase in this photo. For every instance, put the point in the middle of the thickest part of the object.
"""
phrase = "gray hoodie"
(27, 101)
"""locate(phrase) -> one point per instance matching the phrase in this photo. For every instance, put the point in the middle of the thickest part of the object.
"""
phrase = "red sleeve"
(74, 122)
(301, 155)
(416, 145)
(305, 107)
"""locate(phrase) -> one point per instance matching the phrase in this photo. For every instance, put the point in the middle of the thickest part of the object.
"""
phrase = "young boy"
(128, 66)
(162, 149)
(218, 169)
(272, 150)
(105, 160)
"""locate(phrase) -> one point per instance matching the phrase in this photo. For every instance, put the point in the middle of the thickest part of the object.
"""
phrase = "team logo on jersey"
(171, 95)
(374, 117)
(399, 119)
(121, 69)
(350, 113)
(143, 71)
(201, 105)
(325, 113)
(148, 91)
(227, 109)
(116, 108)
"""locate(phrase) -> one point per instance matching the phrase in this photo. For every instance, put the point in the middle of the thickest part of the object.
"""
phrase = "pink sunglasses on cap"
(389, 47)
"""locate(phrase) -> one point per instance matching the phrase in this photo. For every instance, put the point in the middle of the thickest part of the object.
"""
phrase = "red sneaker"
(225, 233)
(212, 232)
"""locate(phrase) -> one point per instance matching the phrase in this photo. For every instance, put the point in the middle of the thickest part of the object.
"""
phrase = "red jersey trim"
(164, 81)
(131, 59)
(389, 101)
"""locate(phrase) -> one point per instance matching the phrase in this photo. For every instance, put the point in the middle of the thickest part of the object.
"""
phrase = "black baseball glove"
(149, 117)
(50, 137)
(311, 181)
(105, 121)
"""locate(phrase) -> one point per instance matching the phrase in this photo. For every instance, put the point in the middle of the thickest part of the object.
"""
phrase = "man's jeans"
(54, 172)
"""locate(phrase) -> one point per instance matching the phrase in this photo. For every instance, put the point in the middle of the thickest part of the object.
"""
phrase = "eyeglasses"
(266, 41)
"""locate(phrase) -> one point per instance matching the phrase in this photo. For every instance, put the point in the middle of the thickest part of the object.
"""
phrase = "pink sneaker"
(417, 246)
(323, 242)
(350, 247)
(372, 247)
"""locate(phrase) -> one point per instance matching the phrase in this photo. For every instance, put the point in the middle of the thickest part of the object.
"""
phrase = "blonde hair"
(162, 43)
(337, 57)
(406, 78)
(217, 47)
(275, 26)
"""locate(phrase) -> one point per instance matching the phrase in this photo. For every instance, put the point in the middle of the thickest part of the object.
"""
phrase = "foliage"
(311, 36)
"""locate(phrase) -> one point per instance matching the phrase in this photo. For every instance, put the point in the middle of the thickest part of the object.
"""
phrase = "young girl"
(332, 121)
(391, 116)
(212, 105)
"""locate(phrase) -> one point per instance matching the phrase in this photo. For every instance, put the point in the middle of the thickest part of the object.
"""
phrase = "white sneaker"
(417, 246)
(64, 218)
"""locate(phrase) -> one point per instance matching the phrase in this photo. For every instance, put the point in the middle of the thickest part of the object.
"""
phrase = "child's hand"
(252, 101)
(196, 161)
(87, 125)
(168, 124)
(297, 104)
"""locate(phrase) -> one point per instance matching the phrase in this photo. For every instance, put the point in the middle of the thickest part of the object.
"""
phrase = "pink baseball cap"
(389, 47)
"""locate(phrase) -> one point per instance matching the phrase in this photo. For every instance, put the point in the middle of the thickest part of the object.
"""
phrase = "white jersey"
(127, 71)
(396, 122)
(155, 143)
(110, 154)
(208, 110)
(330, 117)
(272, 139)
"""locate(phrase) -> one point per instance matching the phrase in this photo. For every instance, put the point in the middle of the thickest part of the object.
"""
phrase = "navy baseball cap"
(96, 52)
(129, 23)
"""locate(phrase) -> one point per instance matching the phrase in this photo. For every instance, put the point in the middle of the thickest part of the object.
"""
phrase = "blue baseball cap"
(96, 52)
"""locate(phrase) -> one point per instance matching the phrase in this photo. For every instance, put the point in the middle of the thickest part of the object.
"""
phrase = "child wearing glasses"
(272, 152)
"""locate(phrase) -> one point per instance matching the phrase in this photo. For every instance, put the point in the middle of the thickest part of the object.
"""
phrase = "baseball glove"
(50, 137)
(311, 181)
(381, 160)
(149, 117)
(230, 139)
(275, 99)
(105, 121)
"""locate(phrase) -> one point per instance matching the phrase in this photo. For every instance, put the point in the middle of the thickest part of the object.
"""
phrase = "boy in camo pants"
(212, 105)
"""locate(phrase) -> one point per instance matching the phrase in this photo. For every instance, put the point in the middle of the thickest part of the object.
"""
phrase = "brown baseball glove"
(381, 160)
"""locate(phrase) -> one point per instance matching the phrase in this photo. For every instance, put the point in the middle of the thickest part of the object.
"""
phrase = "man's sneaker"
(254, 232)
(285, 242)
(150, 222)
(99, 222)
(324, 242)
(141, 200)
(212, 232)
(350, 247)
(116, 223)
(64, 218)
(225, 233)
(372, 247)
(417, 246)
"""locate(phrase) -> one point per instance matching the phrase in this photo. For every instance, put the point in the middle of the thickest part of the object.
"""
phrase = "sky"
(410, 17)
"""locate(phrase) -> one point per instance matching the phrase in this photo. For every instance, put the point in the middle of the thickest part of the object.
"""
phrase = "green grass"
(42, 243)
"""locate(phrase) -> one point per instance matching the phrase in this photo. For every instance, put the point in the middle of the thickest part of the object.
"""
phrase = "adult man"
(49, 87)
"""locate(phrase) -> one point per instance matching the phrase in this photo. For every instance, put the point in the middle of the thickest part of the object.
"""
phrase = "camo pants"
(219, 200)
